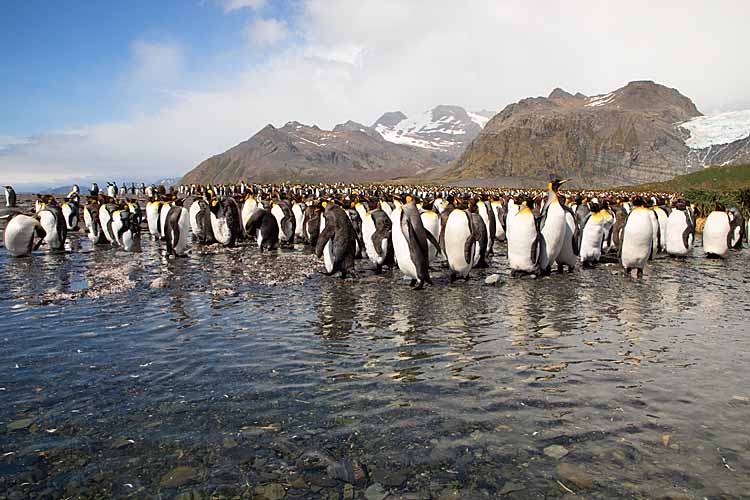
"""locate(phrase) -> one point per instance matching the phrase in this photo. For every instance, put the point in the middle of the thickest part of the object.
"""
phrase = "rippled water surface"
(254, 375)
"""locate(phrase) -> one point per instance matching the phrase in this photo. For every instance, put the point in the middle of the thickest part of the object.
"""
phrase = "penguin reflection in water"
(337, 240)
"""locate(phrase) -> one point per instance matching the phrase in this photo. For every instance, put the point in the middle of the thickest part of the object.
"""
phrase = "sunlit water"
(455, 391)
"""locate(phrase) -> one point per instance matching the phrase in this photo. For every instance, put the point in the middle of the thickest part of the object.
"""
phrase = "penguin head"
(555, 184)
(214, 206)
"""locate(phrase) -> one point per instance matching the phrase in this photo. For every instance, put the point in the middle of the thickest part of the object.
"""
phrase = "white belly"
(521, 236)
(637, 239)
(661, 217)
(163, 213)
(401, 246)
(368, 230)
(553, 232)
(486, 218)
(248, 209)
(221, 229)
(457, 231)
(19, 235)
(181, 245)
(431, 223)
(676, 225)
(591, 241)
(499, 231)
(299, 218)
(327, 249)
(193, 213)
(715, 233)
(566, 255)
(152, 217)
(48, 222)
(655, 232)
(278, 214)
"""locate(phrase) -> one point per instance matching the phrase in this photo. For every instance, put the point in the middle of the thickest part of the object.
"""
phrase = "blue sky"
(137, 88)
(66, 64)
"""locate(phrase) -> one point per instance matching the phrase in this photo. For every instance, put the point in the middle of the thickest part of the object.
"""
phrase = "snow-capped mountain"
(448, 129)
(720, 139)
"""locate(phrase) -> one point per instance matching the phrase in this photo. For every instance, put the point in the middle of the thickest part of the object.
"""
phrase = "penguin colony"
(403, 227)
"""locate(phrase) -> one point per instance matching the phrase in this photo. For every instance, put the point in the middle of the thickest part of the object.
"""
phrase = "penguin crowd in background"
(415, 229)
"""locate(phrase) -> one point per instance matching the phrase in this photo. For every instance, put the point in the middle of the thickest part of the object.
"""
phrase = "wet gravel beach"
(249, 375)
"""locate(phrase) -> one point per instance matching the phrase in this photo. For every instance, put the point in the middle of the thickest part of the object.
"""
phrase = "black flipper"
(325, 236)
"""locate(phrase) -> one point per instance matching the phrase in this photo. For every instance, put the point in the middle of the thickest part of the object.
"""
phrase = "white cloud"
(232, 5)
(156, 63)
(266, 32)
(355, 60)
(8, 140)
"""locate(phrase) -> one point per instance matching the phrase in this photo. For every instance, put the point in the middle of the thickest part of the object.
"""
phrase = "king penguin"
(596, 224)
(717, 233)
(485, 211)
(263, 226)
(126, 231)
(200, 222)
(525, 242)
(298, 209)
(311, 224)
(570, 250)
(282, 210)
(225, 220)
(337, 240)
(176, 234)
(10, 197)
(53, 222)
(458, 242)
(376, 233)
(91, 221)
(70, 212)
(410, 240)
(553, 227)
(680, 230)
(431, 223)
(636, 240)
(20, 232)
(153, 209)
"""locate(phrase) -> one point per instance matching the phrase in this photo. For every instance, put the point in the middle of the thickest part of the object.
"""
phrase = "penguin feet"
(420, 286)
(452, 277)
(412, 283)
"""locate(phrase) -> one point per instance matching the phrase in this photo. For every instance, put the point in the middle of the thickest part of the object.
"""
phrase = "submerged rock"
(20, 424)
(492, 279)
(178, 476)
(375, 492)
(575, 475)
(273, 491)
(555, 451)
(160, 282)
(348, 472)
(120, 443)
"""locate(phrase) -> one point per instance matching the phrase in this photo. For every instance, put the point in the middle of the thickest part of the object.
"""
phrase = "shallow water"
(246, 366)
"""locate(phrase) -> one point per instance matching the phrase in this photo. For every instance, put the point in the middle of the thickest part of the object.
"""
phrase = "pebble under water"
(253, 376)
